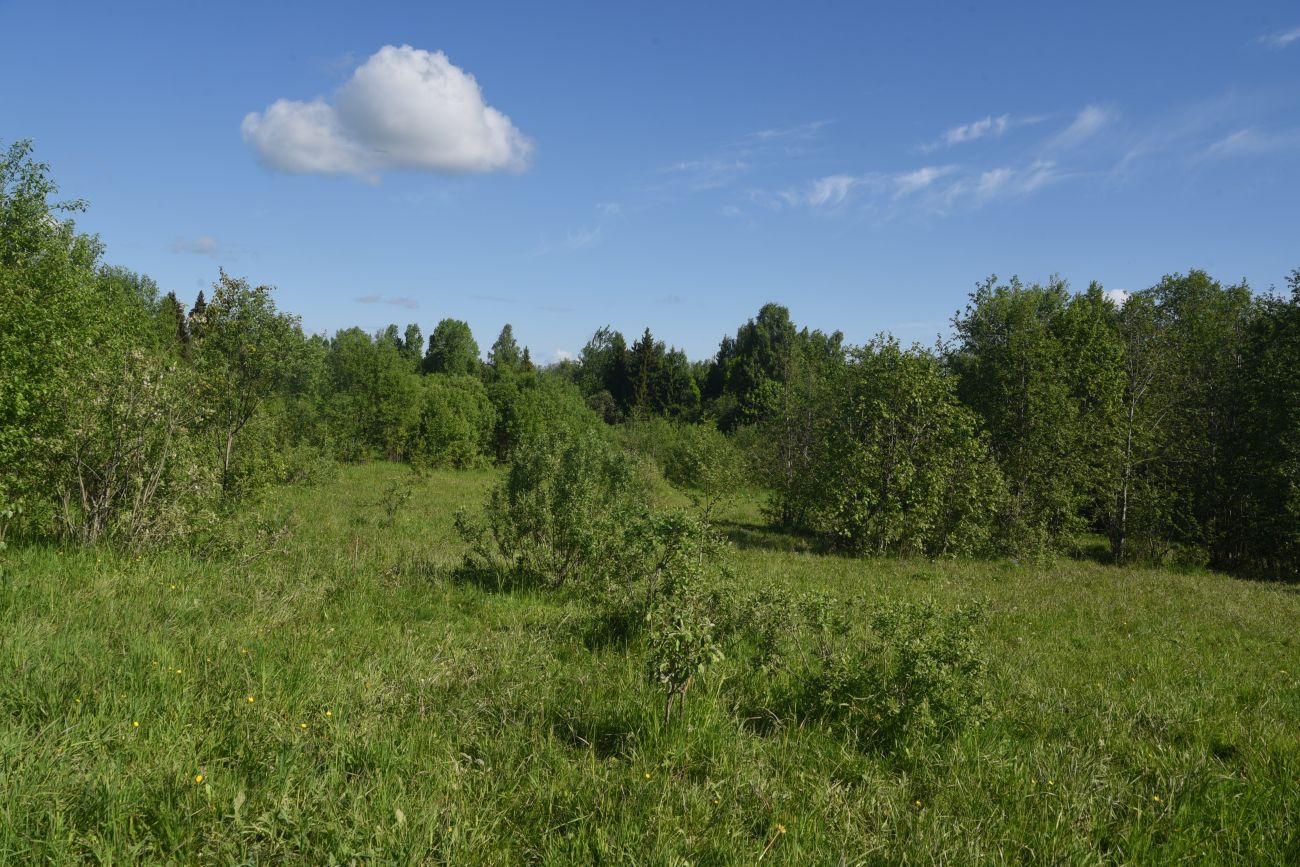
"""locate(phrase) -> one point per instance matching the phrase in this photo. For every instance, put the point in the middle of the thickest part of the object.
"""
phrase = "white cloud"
(404, 108)
(1118, 297)
(563, 355)
(1086, 124)
(203, 245)
(1282, 39)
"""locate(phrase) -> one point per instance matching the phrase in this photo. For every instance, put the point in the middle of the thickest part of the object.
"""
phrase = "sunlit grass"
(347, 700)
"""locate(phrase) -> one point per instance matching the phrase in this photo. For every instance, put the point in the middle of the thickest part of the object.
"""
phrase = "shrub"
(681, 644)
(918, 674)
(132, 469)
(455, 424)
(707, 466)
(565, 509)
(906, 472)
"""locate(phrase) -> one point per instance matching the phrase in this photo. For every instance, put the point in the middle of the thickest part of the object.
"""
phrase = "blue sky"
(668, 164)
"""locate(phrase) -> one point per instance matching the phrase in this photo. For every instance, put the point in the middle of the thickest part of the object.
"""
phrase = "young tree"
(456, 423)
(1135, 501)
(452, 349)
(645, 369)
(412, 344)
(1267, 460)
(1205, 325)
(793, 408)
(1013, 371)
(243, 358)
(504, 356)
(375, 399)
(172, 314)
(48, 332)
(906, 471)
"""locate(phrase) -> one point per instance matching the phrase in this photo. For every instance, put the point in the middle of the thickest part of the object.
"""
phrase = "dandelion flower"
(329, 713)
(198, 778)
(1156, 798)
(302, 725)
(135, 724)
(647, 775)
(250, 699)
(780, 829)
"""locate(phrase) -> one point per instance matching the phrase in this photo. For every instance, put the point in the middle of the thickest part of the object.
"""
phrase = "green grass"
(401, 716)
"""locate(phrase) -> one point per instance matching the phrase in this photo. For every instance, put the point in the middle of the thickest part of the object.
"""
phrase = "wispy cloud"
(708, 174)
(395, 301)
(1091, 120)
(967, 132)
(977, 189)
(577, 239)
(799, 131)
(1253, 142)
(1280, 39)
(833, 191)
(203, 245)
(988, 127)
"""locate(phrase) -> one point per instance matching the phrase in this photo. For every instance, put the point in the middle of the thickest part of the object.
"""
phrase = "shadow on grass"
(760, 537)
(607, 733)
(492, 579)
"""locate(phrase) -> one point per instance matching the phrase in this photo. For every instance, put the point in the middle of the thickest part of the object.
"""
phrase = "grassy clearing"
(345, 699)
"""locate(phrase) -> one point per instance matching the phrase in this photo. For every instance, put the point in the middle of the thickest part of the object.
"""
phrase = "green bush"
(455, 424)
(697, 459)
(681, 644)
(918, 674)
(905, 471)
(565, 511)
(132, 470)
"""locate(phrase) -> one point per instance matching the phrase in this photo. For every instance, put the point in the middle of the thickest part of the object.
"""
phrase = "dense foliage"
(1165, 423)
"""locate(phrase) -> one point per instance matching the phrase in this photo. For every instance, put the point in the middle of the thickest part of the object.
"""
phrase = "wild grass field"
(338, 695)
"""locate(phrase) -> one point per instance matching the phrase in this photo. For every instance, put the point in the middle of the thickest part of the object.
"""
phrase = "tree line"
(1167, 425)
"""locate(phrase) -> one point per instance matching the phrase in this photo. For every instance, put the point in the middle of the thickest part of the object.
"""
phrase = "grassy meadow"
(338, 695)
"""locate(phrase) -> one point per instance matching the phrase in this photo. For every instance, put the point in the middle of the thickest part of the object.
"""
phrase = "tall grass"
(344, 698)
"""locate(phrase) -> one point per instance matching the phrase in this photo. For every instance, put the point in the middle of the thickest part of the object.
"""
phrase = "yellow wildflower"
(198, 778)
